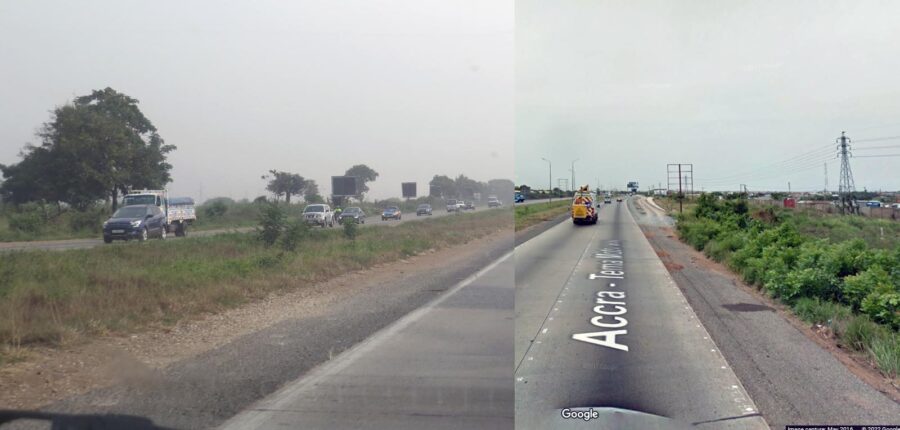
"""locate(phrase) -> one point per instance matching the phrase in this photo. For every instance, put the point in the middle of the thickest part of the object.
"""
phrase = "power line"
(866, 148)
(818, 155)
(777, 169)
(876, 156)
(877, 139)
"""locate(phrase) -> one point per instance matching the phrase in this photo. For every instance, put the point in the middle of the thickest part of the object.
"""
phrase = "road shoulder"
(793, 374)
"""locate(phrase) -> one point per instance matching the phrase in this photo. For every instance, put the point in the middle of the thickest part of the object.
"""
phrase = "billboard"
(409, 190)
(633, 186)
(344, 186)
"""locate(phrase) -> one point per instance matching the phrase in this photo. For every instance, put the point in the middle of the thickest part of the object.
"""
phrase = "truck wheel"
(163, 232)
(107, 239)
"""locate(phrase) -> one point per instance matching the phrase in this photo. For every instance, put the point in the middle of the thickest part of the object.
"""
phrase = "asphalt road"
(789, 376)
(625, 342)
(444, 366)
(61, 245)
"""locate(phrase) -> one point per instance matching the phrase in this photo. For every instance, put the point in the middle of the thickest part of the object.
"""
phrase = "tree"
(311, 192)
(501, 187)
(284, 184)
(100, 145)
(445, 186)
(364, 175)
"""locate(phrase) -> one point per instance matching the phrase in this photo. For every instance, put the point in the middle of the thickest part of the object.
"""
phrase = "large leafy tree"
(364, 175)
(443, 185)
(98, 146)
(285, 184)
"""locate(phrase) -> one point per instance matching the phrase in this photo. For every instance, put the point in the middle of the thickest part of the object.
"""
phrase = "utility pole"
(825, 191)
(845, 185)
(550, 178)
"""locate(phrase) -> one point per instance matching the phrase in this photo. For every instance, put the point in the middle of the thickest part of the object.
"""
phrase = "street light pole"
(573, 173)
(550, 178)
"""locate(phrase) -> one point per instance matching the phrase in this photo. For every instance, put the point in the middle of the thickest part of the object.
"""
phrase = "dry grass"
(52, 297)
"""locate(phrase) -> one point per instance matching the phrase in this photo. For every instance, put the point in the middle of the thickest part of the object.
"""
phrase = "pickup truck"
(179, 211)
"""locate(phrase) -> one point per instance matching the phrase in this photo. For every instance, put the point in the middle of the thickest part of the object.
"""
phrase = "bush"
(351, 230)
(857, 287)
(29, 218)
(215, 209)
(272, 221)
(294, 233)
(90, 220)
(883, 305)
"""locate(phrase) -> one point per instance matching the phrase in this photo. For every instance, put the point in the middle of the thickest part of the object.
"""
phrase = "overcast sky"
(411, 88)
(732, 87)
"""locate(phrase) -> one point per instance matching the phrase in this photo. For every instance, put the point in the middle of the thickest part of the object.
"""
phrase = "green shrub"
(883, 305)
(294, 233)
(90, 220)
(272, 221)
(351, 230)
(215, 209)
(858, 287)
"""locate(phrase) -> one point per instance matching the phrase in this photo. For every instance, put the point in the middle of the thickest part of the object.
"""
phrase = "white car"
(452, 206)
(319, 214)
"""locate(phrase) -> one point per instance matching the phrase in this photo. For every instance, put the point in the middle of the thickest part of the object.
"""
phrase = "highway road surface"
(600, 324)
(446, 365)
(61, 245)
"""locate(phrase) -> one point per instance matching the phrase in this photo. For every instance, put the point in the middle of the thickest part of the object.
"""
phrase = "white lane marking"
(254, 416)
(544, 330)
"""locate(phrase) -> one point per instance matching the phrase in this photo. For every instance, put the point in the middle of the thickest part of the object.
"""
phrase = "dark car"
(423, 209)
(355, 214)
(469, 205)
(135, 222)
(391, 212)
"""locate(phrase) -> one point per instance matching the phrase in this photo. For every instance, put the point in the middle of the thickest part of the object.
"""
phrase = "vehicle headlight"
(136, 223)
(105, 223)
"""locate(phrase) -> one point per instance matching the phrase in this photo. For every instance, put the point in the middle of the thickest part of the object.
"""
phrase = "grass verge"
(529, 215)
(842, 272)
(52, 297)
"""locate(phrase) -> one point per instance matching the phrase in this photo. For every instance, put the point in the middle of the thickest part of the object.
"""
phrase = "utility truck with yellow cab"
(584, 211)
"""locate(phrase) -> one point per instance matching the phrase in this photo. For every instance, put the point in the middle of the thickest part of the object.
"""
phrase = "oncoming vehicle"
(607, 200)
(618, 199)
(135, 222)
(355, 214)
(319, 214)
(178, 211)
(424, 209)
(391, 212)
(494, 202)
(469, 205)
(519, 198)
(452, 205)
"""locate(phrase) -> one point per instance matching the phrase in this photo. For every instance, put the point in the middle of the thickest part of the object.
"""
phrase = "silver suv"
(319, 214)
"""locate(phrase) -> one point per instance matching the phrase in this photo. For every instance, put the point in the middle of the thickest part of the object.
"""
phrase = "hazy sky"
(732, 87)
(411, 88)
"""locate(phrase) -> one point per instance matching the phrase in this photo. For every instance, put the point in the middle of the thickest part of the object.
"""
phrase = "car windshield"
(130, 212)
(146, 199)
(451, 202)
(424, 206)
(391, 209)
(350, 210)
(314, 208)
